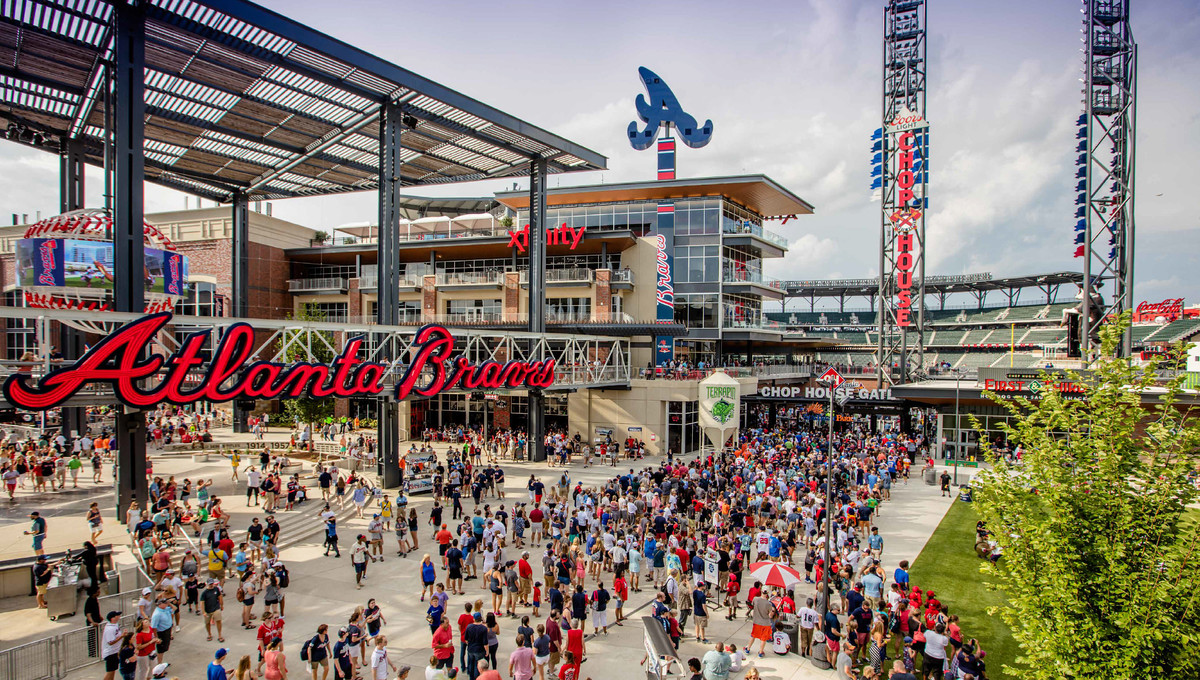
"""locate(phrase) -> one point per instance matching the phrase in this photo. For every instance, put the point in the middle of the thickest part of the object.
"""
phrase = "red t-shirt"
(444, 537)
(441, 637)
(569, 671)
(535, 515)
(523, 568)
(464, 620)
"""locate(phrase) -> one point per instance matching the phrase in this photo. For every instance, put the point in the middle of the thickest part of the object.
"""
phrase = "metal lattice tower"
(1104, 205)
(903, 182)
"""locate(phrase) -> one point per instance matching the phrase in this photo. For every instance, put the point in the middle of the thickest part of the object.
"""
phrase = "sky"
(793, 90)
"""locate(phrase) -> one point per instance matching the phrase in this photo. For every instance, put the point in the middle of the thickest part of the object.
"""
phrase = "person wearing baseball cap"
(160, 671)
(216, 669)
(110, 644)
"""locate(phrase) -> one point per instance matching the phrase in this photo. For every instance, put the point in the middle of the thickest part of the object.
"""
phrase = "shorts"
(41, 589)
(760, 633)
(443, 548)
(37, 541)
(360, 567)
(455, 574)
(164, 641)
(536, 604)
(248, 601)
(542, 660)
(94, 525)
(526, 586)
(833, 645)
(214, 617)
(111, 663)
(702, 620)
(554, 658)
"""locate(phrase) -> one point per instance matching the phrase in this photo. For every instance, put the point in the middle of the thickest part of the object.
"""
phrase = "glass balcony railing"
(316, 284)
(732, 273)
(470, 278)
(622, 276)
(751, 229)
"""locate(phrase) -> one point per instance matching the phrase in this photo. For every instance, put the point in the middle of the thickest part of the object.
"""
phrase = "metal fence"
(54, 657)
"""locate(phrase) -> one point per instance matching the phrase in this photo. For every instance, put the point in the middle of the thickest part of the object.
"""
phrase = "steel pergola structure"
(1107, 133)
(228, 100)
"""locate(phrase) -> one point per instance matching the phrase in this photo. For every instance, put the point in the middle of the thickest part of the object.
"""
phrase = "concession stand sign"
(123, 361)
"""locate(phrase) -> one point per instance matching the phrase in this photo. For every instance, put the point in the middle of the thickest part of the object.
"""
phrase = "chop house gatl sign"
(122, 361)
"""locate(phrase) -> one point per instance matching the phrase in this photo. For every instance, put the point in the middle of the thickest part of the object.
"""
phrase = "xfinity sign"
(798, 392)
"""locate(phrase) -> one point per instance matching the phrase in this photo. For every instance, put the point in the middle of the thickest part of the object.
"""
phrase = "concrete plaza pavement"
(322, 588)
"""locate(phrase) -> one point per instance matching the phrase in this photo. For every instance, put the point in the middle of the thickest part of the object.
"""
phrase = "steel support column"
(537, 297)
(128, 220)
(71, 197)
(241, 285)
(391, 124)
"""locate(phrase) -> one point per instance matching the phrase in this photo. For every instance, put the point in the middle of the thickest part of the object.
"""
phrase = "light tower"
(901, 175)
(1104, 228)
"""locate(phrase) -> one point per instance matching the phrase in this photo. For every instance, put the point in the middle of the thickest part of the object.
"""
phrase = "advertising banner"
(664, 346)
(720, 402)
(77, 263)
(39, 262)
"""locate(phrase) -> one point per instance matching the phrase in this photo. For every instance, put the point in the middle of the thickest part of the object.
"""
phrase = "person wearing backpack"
(316, 652)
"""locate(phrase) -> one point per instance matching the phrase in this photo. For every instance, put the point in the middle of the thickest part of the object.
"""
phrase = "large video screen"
(74, 263)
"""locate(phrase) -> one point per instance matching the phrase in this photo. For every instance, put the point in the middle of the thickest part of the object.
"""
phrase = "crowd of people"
(562, 561)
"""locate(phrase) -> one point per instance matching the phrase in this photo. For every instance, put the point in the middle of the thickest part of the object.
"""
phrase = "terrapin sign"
(720, 404)
(122, 361)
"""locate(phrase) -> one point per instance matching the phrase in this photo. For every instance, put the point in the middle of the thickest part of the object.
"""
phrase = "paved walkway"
(322, 589)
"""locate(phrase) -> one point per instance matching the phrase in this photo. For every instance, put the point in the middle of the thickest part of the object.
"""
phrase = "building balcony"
(738, 279)
(333, 284)
(750, 234)
(488, 279)
(570, 276)
(621, 279)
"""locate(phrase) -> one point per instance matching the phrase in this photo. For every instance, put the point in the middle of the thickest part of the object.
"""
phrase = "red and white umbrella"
(774, 574)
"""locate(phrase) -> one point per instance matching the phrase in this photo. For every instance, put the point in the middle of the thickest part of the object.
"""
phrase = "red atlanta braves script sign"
(120, 360)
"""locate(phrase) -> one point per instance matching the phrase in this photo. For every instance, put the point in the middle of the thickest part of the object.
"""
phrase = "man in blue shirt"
(774, 546)
(162, 621)
(875, 542)
(215, 670)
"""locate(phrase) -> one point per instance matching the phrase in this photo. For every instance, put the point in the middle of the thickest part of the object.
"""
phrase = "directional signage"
(832, 377)
(842, 398)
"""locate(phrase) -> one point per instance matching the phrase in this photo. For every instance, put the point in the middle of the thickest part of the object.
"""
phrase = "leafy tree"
(1100, 552)
(307, 409)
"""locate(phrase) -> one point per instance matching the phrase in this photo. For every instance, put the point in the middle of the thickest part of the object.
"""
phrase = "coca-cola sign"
(141, 380)
(1169, 308)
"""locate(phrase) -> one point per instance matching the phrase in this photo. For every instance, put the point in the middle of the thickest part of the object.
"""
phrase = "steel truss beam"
(1108, 129)
(581, 361)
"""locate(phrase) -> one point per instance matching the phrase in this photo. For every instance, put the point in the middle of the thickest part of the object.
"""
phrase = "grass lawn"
(949, 566)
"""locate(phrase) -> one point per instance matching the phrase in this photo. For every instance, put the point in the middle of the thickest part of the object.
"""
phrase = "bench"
(661, 653)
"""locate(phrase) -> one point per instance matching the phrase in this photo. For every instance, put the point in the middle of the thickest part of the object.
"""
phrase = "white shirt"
(111, 640)
(808, 617)
(935, 645)
(379, 663)
(252, 478)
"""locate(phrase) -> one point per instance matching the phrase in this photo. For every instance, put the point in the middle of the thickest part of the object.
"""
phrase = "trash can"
(792, 628)
(930, 475)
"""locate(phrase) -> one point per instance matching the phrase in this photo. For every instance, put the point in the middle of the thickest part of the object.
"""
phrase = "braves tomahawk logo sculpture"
(663, 109)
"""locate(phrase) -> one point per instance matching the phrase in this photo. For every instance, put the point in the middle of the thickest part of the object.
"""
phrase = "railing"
(369, 281)
(730, 274)
(340, 241)
(621, 276)
(754, 230)
(568, 275)
(760, 324)
(56, 656)
(307, 285)
(470, 278)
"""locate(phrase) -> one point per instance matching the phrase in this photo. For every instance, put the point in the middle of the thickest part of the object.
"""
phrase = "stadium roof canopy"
(759, 193)
(934, 285)
(240, 99)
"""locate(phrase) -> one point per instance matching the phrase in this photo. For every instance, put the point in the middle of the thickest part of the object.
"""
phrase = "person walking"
(358, 557)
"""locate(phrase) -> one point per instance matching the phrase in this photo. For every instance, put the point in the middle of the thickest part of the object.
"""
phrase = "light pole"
(957, 434)
(828, 507)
